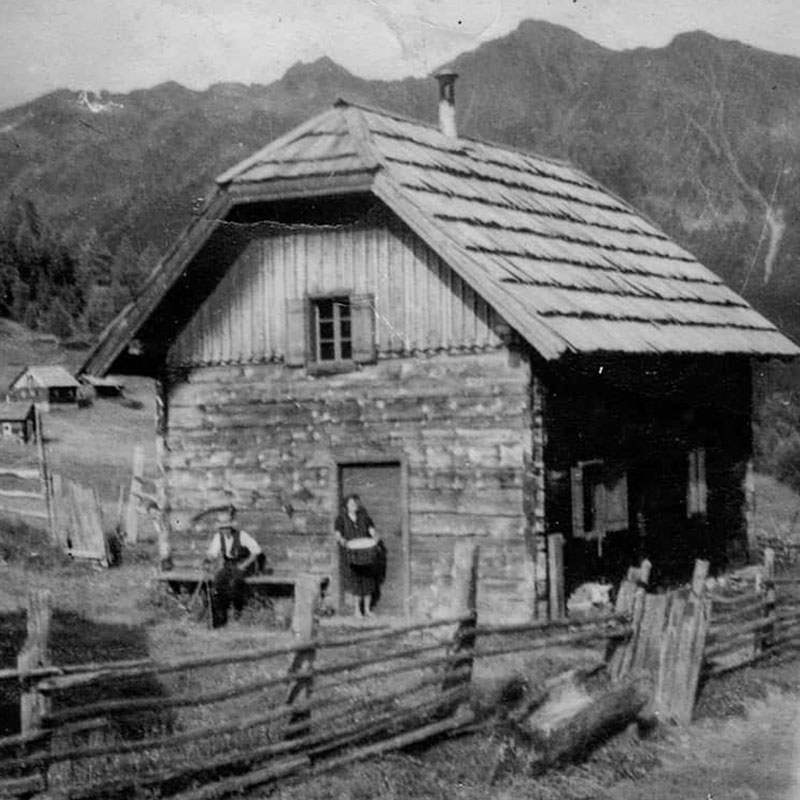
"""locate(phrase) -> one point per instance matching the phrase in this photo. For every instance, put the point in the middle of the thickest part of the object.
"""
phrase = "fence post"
(47, 489)
(58, 522)
(767, 637)
(688, 659)
(304, 627)
(458, 672)
(630, 600)
(132, 514)
(555, 575)
(33, 705)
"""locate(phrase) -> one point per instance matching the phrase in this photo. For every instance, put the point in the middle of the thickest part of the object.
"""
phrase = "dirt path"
(756, 758)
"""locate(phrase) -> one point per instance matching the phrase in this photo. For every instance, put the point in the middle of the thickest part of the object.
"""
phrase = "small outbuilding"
(17, 421)
(51, 383)
(104, 387)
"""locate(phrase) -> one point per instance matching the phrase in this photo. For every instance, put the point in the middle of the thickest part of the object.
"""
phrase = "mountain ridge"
(701, 135)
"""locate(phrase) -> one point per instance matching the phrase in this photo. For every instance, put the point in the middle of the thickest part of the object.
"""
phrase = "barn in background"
(18, 421)
(485, 344)
(52, 384)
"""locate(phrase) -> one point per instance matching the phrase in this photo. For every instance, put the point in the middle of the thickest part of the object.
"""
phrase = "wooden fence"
(117, 729)
(77, 523)
(752, 619)
(23, 493)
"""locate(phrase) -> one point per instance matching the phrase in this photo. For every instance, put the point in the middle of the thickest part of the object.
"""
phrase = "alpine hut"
(483, 343)
(51, 383)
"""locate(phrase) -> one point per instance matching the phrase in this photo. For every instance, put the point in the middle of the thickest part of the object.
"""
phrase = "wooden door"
(380, 488)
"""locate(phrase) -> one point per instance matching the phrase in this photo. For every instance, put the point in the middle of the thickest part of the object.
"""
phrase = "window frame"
(303, 332)
(337, 301)
(597, 494)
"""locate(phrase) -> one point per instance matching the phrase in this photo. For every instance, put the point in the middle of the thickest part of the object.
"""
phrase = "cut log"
(557, 695)
(568, 727)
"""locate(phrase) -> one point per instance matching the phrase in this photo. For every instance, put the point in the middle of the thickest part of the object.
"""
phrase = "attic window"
(332, 329)
(330, 333)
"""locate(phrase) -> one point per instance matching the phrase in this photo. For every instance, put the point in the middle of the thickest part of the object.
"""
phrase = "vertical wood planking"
(280, 250)
(685, 660)
(422, 304)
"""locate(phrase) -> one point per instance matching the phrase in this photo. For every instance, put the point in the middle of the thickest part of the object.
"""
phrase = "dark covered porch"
(647, 457)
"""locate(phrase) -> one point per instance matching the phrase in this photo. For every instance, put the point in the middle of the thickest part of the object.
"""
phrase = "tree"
(100, 308)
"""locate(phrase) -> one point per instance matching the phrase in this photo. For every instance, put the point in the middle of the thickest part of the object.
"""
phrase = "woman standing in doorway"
(354, 523)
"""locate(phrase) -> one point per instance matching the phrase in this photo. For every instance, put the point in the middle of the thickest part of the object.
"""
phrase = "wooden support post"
(33, 704)
(119, 521)
(555, 575)
(750, 503)
(304, 627)
(459, 671)
(306, 595)
(132, 515)
(765, 640)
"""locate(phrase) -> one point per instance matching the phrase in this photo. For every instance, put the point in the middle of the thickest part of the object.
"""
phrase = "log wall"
(269, 439)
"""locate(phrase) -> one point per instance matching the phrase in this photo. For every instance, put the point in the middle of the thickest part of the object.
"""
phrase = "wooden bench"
(276, 584)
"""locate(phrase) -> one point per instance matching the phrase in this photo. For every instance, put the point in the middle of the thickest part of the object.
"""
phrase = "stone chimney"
(447, 103)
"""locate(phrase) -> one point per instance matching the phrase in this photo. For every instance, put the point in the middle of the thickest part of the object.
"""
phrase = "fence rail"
(338, 700)
(319, 703)
(752, 621)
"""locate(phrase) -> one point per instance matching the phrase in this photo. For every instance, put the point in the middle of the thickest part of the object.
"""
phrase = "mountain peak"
(323, 69)
(540, 32)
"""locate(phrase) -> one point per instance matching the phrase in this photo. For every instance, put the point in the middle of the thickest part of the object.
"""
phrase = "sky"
(120, 45)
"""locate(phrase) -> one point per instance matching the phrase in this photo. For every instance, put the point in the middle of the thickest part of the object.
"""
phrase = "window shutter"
(702, 486)
(296, 327)
(362, 311)
(616, 503)
(696, 489)
(576, 484)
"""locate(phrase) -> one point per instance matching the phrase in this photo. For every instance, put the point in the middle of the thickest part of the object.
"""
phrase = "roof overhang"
(118, 348)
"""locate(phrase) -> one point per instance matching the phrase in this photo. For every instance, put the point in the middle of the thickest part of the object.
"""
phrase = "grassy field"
(118, 613)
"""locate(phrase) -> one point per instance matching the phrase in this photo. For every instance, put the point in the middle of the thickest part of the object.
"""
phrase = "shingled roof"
(573, 268)
(46, 377)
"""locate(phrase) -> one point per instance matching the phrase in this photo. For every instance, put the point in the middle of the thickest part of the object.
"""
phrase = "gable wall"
(421, 305)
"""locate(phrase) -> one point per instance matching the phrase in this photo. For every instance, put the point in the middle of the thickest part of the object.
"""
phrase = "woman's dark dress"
(359, 578)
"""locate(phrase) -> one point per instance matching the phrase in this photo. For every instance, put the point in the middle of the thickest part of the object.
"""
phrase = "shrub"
(777, 437)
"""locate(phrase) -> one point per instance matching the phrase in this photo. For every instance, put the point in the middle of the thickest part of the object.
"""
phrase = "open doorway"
(381, 486)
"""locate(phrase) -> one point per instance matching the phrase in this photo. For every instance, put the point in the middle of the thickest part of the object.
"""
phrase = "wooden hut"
(104, 387)
(17, 421)
(487, 345)
(51, 383)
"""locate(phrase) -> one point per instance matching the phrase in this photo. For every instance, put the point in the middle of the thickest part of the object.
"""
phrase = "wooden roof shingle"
(572, 267)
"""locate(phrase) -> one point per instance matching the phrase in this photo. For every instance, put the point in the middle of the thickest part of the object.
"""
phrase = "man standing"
(240, 554)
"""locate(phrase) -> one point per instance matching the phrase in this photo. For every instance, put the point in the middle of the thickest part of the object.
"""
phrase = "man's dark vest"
(238, 553)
